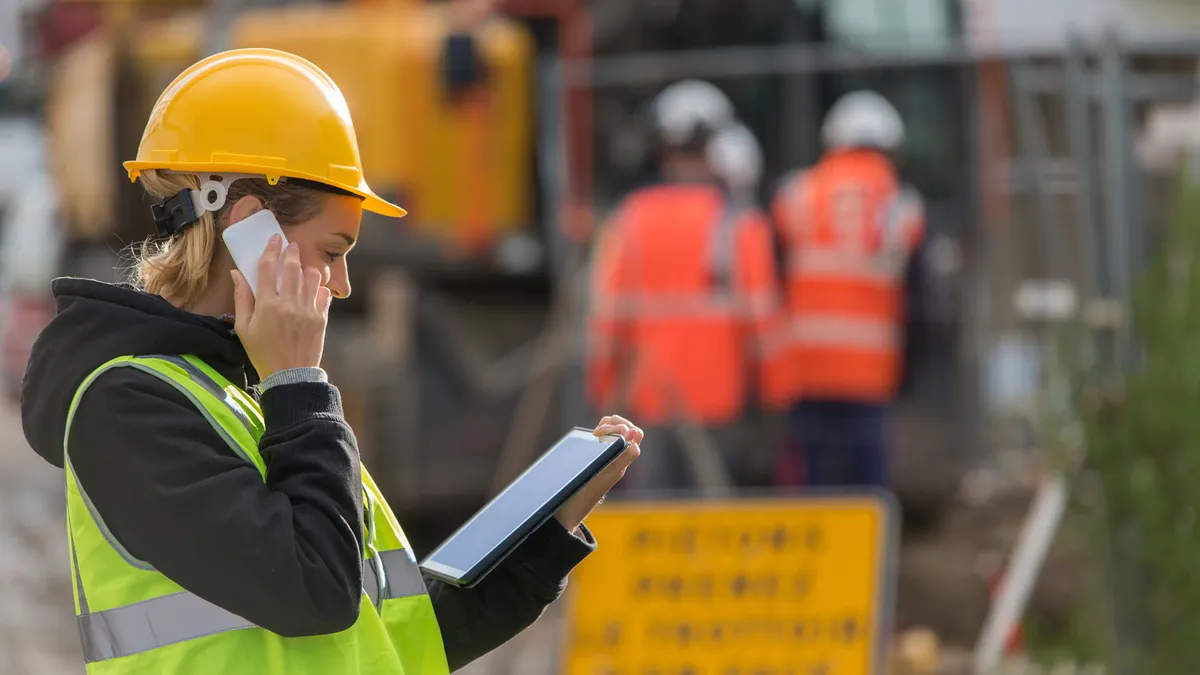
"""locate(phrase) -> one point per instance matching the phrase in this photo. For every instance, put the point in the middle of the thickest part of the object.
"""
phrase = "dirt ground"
(939, 585)
(37, 626)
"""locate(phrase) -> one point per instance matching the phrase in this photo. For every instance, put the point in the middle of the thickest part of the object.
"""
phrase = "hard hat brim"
(371, 201)
(376, 204)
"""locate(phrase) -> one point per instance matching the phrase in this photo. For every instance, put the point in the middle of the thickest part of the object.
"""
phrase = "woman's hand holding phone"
(285, 327)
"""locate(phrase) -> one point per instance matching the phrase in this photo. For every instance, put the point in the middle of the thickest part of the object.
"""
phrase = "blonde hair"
(178, 268)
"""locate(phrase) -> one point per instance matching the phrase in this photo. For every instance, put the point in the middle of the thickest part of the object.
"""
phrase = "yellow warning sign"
(797, 586)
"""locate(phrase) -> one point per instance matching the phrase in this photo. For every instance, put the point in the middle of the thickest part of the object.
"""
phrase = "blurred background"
(1048, 140)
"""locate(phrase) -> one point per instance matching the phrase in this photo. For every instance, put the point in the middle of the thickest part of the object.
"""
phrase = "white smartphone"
(246, 241)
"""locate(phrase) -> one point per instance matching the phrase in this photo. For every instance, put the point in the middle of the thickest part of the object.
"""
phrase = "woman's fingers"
(632, 452)
(309, 287)
(324, 300)
(619, 429)
(243, 302)
(616, 419)
(268, 266)
(615, 424)
(292, 273)
(638, 435)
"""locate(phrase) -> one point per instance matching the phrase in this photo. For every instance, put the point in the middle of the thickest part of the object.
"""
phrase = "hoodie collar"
(97, 322)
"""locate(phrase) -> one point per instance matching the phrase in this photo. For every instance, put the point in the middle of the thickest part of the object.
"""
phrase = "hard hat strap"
(174, 215)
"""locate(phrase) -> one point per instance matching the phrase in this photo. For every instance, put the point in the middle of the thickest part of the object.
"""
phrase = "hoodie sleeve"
(285, 554)
(474, 621)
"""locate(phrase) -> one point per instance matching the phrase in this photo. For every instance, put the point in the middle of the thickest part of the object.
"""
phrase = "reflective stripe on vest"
(828, 330)
(723, 248)
(162, 621)
(183, 616)
(403, 577)
(897, 223)
(675, 306)
(201, 378)
(719, 301)
(831, 264)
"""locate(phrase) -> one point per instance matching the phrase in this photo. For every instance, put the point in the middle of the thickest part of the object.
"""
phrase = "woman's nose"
(339, 281)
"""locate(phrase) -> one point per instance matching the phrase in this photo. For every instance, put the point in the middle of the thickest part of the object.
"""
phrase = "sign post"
(773, 586)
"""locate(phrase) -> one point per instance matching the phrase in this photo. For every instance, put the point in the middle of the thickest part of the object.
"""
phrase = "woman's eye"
(333, 255)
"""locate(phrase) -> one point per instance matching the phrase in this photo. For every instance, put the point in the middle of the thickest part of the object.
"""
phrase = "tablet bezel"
(470, 577)
(443, 572)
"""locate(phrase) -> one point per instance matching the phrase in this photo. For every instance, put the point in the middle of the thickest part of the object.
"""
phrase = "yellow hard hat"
(262, 112)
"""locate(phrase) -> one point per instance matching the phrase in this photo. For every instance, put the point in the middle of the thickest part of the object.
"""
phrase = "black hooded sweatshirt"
(286, 553)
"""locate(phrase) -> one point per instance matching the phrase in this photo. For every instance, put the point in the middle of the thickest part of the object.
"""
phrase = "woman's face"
(324, 239)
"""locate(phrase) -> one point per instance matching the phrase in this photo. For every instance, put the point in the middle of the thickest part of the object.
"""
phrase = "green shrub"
(1142, 436)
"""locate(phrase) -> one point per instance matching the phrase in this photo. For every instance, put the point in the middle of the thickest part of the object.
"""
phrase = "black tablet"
(525, 505)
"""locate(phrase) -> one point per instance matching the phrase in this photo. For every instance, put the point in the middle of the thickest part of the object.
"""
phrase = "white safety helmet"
(689, 111)
(863, 119)
(734, 155)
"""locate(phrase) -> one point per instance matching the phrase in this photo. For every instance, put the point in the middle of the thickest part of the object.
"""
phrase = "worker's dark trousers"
(843, 442)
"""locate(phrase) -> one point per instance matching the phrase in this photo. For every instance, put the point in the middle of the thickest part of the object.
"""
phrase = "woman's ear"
(244, 208)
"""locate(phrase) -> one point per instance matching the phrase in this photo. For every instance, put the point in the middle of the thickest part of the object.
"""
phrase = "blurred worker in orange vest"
(850, 228)
(684, 291)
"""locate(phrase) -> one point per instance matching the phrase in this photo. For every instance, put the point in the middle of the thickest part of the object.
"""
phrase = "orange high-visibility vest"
(685, 312)
(849, 228)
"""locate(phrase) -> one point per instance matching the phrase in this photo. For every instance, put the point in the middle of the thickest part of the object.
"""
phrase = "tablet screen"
(527, 497)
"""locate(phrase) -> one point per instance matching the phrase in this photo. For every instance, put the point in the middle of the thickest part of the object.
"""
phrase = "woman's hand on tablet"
(578, 507)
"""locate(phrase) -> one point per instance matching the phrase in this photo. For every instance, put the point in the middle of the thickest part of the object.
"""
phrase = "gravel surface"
(37, 626)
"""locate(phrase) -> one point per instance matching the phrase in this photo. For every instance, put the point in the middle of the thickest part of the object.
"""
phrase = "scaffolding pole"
(655, 68)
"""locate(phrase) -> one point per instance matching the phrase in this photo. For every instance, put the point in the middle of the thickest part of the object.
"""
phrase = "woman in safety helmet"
(219, 519)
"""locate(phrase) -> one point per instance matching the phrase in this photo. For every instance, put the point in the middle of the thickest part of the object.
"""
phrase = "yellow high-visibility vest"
(133, 619)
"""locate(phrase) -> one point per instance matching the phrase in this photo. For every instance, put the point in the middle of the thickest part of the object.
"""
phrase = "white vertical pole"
(1037, 534)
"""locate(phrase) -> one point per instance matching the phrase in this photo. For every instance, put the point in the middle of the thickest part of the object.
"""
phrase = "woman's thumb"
(243, 301)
